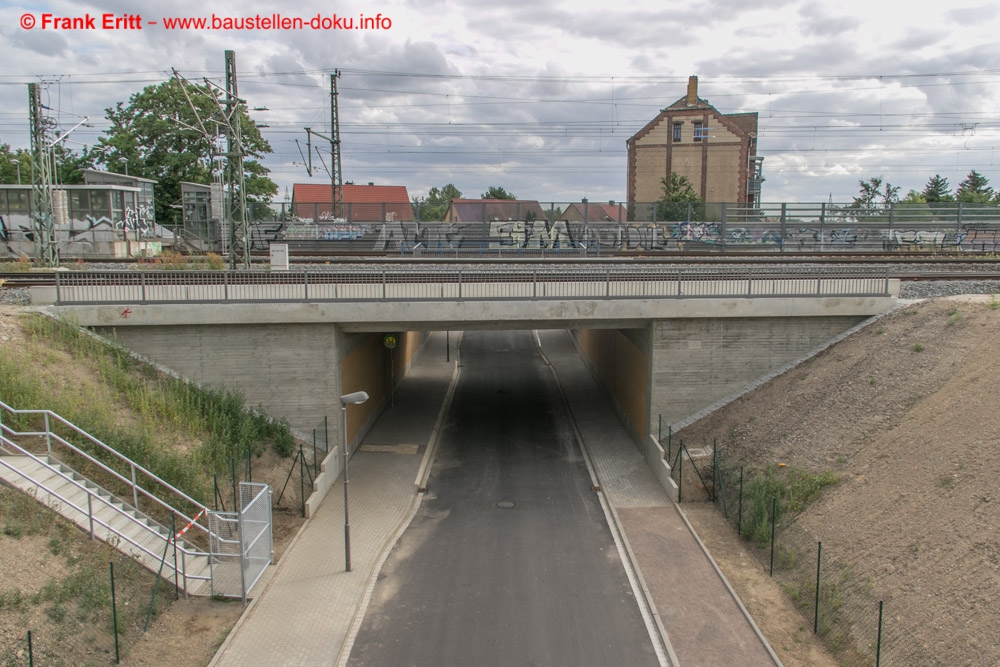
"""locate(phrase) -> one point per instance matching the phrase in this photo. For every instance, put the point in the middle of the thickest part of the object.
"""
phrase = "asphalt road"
(509, 560)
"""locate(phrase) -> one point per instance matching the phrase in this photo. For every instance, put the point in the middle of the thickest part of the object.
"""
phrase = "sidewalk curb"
(725, 582)
(362, 608)
(618, 532)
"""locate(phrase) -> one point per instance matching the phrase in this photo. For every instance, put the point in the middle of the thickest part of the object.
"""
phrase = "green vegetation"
(954, 315)
(75, 602)
(793, 488)
(918, 347)
(164, 410)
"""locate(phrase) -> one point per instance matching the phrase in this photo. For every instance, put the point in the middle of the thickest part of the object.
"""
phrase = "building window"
(699, 131)
(677, 131)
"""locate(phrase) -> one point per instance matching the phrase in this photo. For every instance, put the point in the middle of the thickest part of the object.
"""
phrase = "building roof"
(486, 210)
(363, 203)
(595, 212)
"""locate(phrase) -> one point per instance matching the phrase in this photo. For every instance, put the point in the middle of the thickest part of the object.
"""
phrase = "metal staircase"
(225, 561)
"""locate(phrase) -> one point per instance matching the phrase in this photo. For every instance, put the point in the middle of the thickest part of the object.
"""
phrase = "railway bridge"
(665, 342)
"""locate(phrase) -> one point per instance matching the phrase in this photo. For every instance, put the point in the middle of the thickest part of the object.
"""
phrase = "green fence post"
(680, 472)
(302, 481)
(31, 656)
(774, 512)
(878, 643)
(173, 538)
(715, 466)
(670, 437)
(114, 610)
(819, 557)
(739, 520)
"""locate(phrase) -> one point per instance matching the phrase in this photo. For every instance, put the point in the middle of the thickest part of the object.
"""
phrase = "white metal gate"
(241, 542)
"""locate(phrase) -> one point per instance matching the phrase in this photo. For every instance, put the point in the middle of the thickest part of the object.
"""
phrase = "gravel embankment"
(929, 289)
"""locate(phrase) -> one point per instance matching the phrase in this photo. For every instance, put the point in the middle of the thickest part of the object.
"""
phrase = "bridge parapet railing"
(486, 283)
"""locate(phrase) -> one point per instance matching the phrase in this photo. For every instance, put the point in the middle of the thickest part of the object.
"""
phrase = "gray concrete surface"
(304, 613)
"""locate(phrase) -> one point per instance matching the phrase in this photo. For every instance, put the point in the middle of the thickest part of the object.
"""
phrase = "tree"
(13, 164)
(435, 204)
(975, 189)
(153, 137)
(677, 194)
(913, 197)
(497, 192)
(68, 166)
(937, 190)
(874, 198)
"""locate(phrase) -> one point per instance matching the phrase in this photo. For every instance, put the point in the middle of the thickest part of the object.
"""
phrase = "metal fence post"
(114, 610)
(31, 655)
(225, 285)
(739, 519)
(819, 557)
(142, 277)
(305, 285)
(878, 642)
(774, 507)
(784, 219)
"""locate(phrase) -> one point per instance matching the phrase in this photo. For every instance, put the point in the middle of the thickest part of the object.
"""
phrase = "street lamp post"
(355, 398)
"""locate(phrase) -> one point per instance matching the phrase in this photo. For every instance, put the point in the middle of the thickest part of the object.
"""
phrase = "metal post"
(347, 520)
(173, 539)
(819, 557)
(114, 610)
(135, 490)
(659, 431)
(739, 520)
(447, 346)
(878, 643)
(48, 435)
(31, 656)
(774, 507)
(783, 222)
(680, 472)
(302, 481)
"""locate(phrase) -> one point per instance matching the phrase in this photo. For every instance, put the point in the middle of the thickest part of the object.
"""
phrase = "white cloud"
(540, 98)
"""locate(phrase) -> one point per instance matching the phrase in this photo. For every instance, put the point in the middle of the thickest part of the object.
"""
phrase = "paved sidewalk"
(302, 614)
(305, 607)
(704, 622)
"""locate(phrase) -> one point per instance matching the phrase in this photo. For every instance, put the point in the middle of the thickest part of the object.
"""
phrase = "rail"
(137, 472)
(487, 283)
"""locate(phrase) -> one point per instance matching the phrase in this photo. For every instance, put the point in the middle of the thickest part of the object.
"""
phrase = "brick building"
(716, 152)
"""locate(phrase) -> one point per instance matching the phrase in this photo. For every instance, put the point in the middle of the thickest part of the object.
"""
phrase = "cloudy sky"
(540, 97)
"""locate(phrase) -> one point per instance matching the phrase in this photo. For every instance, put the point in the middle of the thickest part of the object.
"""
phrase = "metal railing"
(489, 283)
(95, 502)
(138, 475)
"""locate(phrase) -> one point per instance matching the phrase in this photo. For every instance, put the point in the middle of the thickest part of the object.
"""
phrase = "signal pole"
(336, 175)
(239, 253)
(41, 181)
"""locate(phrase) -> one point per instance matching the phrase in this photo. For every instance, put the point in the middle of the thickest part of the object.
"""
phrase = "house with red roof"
(587, 211)
(490, 210)
(361, 203)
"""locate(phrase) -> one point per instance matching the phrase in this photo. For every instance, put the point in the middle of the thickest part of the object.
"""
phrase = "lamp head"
(354, 398)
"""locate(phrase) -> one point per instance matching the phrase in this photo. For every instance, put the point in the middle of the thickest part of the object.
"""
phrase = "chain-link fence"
(93, 615)
(858, 623)
(291, 478)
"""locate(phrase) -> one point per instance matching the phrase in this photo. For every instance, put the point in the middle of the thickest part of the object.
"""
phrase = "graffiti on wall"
(646, 236)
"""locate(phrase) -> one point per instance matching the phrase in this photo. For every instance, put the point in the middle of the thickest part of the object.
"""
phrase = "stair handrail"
(201, 510)
(92, 493)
